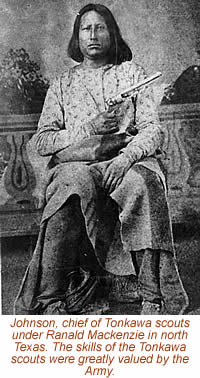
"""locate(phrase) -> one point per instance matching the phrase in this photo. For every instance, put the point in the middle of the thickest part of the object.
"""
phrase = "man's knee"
(76, 174)
(133, 184)
(140, 180)
(135, 188)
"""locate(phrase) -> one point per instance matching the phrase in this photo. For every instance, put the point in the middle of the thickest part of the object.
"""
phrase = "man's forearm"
(50, 142)
(50, 139)
(145, 143)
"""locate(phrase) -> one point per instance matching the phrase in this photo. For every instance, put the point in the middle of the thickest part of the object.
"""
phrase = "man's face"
(94, 37)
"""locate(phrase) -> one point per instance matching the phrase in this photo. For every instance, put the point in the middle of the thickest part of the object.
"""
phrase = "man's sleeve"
(149, 136)
(52, 136)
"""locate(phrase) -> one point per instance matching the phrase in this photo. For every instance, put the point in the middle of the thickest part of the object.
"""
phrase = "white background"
(191, 369)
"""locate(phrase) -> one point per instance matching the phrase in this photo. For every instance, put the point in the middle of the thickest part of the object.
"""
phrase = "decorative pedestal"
(18, 215)
(181, 126)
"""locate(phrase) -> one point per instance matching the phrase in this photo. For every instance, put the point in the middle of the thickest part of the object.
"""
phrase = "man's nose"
(93, 33)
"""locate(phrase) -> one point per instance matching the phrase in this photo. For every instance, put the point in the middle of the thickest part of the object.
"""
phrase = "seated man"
(97, 153)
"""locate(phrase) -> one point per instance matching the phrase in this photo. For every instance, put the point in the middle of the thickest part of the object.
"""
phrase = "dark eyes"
(86, 28)
(99, 27)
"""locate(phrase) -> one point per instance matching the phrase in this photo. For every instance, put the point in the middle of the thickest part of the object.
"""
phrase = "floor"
(16, 253)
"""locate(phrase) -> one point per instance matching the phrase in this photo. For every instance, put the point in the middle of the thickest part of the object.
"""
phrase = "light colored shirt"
(78, 95)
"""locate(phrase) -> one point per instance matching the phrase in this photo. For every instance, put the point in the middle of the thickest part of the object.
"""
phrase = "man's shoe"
(123, 289)
(150, 308)
(99, 307)
(55, 308)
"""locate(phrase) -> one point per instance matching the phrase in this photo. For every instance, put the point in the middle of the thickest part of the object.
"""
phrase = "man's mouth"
(94, 45)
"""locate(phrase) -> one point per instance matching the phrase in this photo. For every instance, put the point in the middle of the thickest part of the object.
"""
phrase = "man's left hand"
(115, 172)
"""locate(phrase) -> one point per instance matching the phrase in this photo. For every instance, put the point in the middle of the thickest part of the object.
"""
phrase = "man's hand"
(115, 172)
(107, 122)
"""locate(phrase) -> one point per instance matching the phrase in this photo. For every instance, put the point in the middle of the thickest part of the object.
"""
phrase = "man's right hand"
(107, 121)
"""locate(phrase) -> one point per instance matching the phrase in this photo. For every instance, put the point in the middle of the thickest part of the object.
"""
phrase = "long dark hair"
(119, 50)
